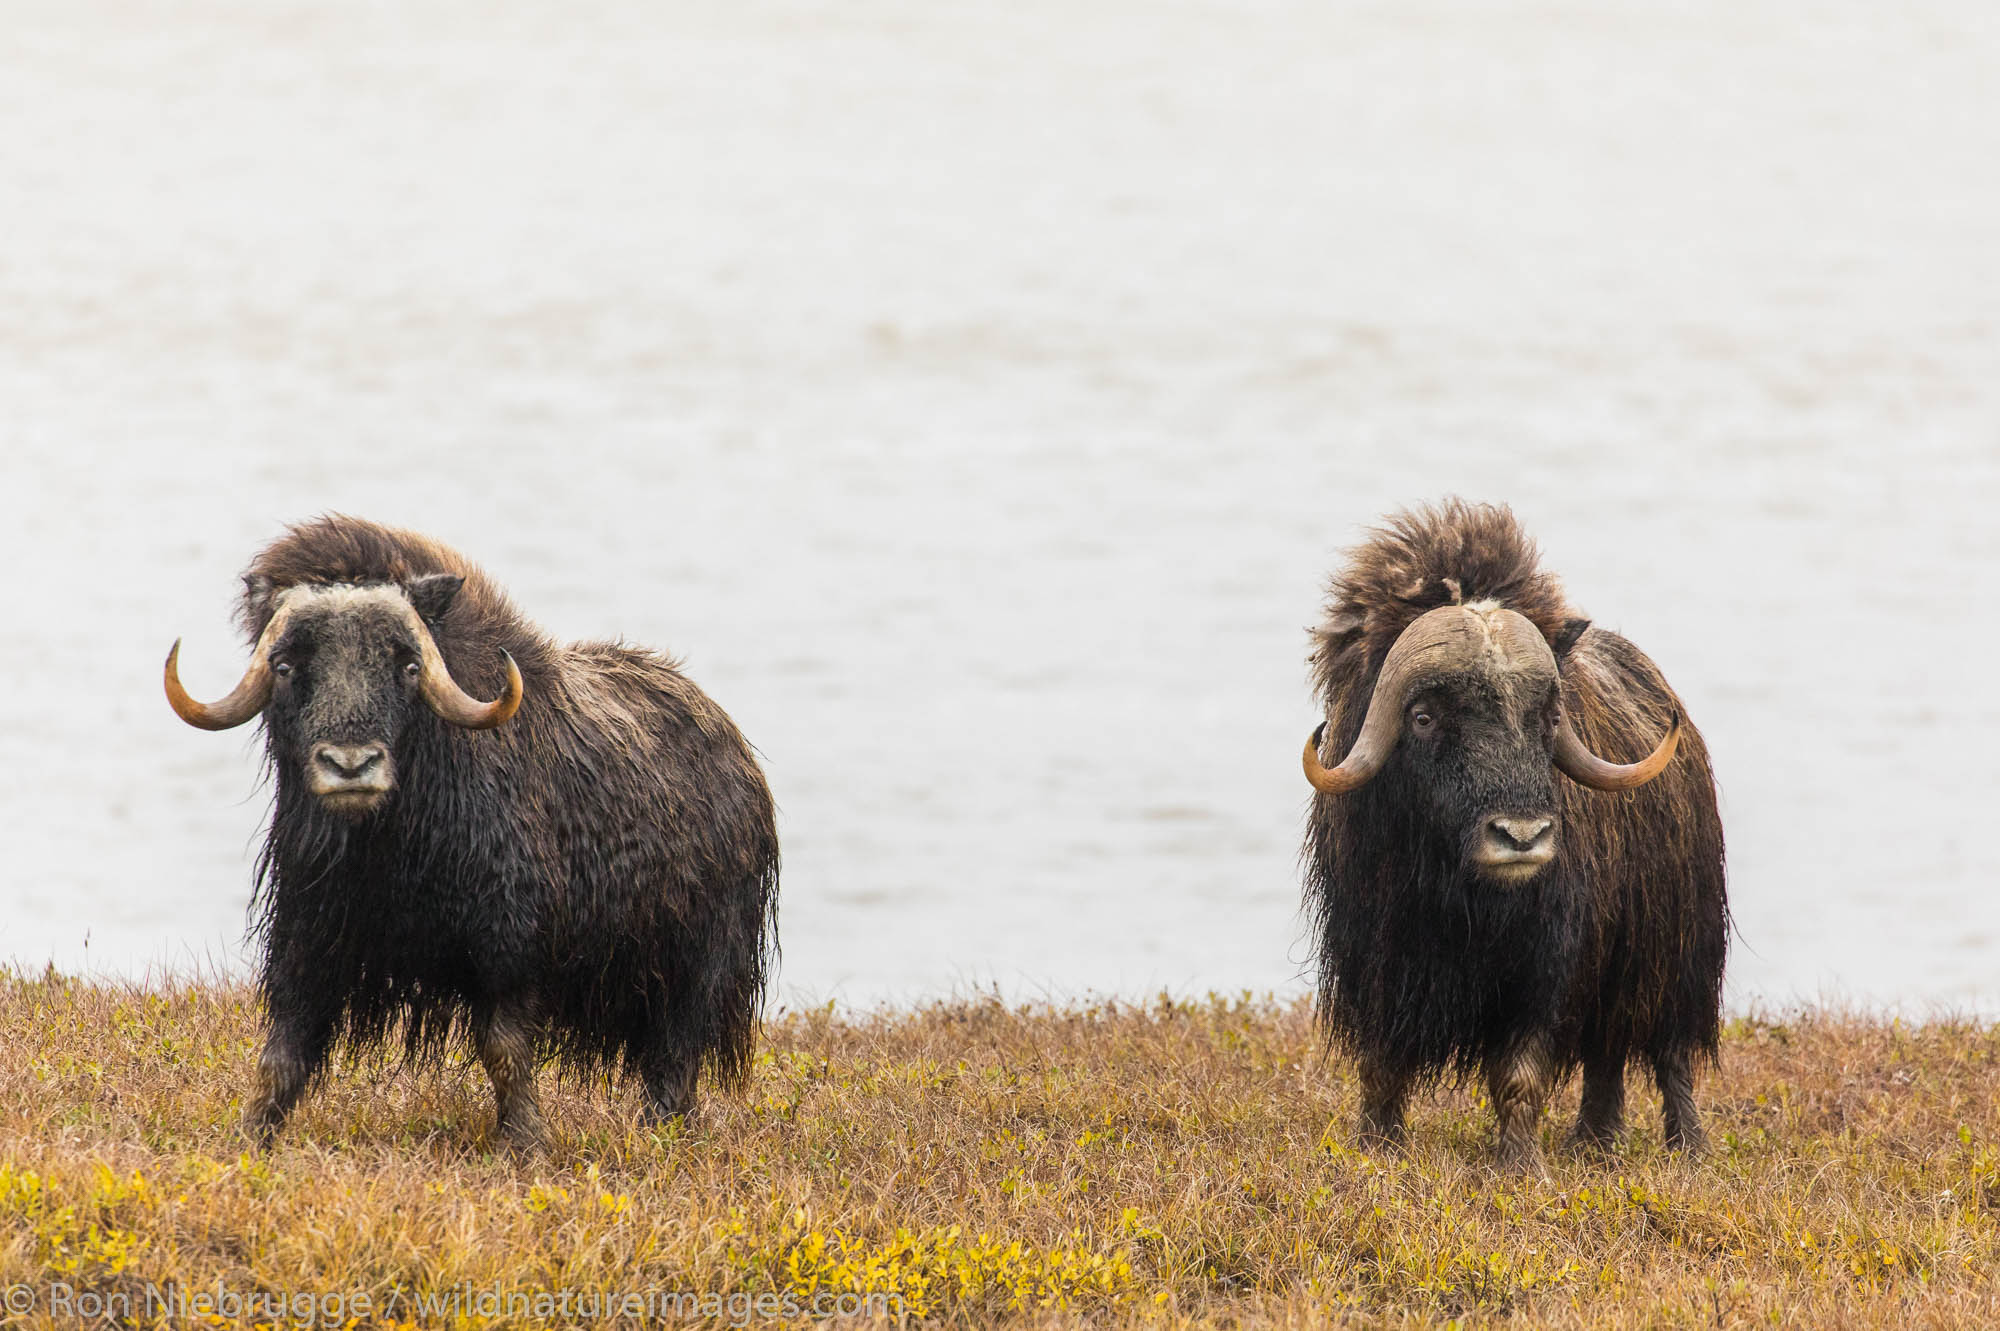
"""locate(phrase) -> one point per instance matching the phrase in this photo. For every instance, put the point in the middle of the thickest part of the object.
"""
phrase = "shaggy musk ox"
(585, 866)
(1474, 913)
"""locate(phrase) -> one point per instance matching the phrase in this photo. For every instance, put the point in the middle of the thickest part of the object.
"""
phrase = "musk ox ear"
(1565, 639)
(255, 608)
(432, 595)
(1338, 631)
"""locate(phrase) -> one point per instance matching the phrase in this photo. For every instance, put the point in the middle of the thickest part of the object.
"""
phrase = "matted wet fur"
(1614, 951)
(595, 880)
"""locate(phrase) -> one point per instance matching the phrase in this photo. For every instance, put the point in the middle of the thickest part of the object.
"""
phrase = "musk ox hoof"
(670, 1094)
(258, 1130)
(1691, 1144)
(1590, 1144)
(680, 1114)
(1382, 1141)
(521, 1141)
(260, 1124)
(1521, 1161)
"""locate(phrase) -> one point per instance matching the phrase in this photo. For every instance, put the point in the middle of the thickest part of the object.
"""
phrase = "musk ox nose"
(350, 777)
(1521, 833)
(1515, 847)
(349, 762)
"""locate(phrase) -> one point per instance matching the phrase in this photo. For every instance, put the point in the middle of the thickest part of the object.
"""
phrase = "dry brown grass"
(1171, 1164)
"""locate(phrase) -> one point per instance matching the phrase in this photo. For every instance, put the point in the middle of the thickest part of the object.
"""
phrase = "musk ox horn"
(1438, 638)
(242, 702)
(453, 704)
(1585, 768)
(1442, 637)
(1379, 734)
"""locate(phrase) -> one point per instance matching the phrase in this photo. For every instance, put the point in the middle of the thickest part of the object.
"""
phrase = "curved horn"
(243, 702)
(453, 704)
(1585, 768)
(1431, 639)
(1380, 730)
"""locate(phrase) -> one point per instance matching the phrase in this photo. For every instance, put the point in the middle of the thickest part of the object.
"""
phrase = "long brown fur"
(1633, 919)
(595, 880)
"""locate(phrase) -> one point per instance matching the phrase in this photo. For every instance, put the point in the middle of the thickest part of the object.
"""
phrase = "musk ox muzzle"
(1515, 848)
(351, 778)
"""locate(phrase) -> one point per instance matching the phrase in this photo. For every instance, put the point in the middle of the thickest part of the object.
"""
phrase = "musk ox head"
(338, 672)
(1467, 712)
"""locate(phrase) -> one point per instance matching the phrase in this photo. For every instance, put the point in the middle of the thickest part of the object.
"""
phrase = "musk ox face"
(338, 673)
(345, 683)
(1466, 711)
(1477, 757)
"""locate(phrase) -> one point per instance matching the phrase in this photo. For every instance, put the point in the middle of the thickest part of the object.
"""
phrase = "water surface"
(979, 402)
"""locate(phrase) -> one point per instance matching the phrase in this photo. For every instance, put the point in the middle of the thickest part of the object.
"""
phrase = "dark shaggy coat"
(594, 880)
(1615, 950)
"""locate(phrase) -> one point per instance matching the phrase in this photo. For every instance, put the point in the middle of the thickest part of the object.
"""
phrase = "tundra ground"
(1169, 1164)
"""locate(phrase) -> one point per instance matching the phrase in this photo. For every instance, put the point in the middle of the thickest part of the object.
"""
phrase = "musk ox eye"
(1422, 722)
(282, 669)
(412, 669)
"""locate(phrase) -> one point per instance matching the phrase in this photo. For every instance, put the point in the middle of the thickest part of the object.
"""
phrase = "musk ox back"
(562, 850)
(1474, 912)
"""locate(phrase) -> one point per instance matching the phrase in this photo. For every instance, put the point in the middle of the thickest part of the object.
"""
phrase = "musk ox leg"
(293, 1054)
(1519, 1085)
(671, 1064)
(1602, 1117)
(706, 1013)
(1673, 1074)
(506, 1041)
(670, 1081)
(1384, 1093)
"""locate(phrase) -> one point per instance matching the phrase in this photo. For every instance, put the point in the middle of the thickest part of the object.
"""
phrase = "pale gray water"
(979, 398)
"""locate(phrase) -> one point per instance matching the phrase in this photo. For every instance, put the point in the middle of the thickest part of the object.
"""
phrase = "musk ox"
(1474, 914)
(583, 868)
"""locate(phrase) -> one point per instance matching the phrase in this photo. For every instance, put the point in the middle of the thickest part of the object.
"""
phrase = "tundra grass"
(970, 1164)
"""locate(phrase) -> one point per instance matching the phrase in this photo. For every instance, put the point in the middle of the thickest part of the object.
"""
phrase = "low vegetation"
(971, 1163)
